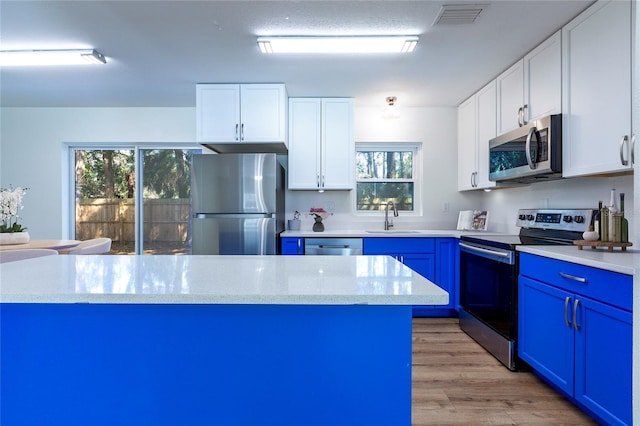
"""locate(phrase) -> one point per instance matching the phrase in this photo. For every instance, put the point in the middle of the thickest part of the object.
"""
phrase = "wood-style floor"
(456, 382)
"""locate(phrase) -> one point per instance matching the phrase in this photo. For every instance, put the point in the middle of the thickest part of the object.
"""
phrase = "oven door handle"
(497, 255)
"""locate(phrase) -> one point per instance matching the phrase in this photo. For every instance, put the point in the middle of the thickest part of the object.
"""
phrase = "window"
(138, 196)
(386, 172)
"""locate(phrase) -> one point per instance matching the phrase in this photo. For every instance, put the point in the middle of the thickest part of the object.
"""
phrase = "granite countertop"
(327, 280)
(620, 261)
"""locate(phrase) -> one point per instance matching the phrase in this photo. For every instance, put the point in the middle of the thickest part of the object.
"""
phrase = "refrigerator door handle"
(234, 215)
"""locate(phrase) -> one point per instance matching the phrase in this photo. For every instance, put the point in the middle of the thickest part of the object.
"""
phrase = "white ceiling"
(158, 50)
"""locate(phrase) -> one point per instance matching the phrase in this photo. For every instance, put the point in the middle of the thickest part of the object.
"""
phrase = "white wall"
(436, 128)
(32, 150)
(503, 204)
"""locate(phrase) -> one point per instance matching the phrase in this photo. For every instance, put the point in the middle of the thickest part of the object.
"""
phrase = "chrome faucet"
(389, 223)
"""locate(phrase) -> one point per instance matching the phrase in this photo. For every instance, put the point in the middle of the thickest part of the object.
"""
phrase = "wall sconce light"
(391, 111)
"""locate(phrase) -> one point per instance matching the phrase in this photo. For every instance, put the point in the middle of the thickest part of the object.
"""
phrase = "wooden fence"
(164, 220)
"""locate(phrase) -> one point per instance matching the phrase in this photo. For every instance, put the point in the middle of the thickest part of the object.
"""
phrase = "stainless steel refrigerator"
(237, 203)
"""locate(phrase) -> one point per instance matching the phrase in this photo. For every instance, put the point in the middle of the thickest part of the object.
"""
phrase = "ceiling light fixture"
(391, 111)
(347, 44)
(51, 57)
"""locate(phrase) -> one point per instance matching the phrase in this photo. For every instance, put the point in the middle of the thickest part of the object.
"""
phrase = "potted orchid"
(11, 232)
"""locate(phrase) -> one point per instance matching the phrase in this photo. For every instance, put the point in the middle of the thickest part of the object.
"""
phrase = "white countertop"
(616, 261)
(620, 261)
(327, 280)
(373, 232)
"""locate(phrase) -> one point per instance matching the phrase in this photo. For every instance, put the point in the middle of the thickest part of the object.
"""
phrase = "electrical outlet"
(445, 207)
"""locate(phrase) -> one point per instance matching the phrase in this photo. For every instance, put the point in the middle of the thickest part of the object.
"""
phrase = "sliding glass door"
(110, 184)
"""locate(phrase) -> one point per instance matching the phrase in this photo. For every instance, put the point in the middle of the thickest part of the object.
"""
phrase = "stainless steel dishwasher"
(333, 246)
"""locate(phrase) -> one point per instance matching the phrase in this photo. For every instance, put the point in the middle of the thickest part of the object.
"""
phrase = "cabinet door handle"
(573, 277)
(622, 144)
(318, 180)
(519, 116)
(633, 149)
(566, 311)
(242, 132)
(472, 174)
(237, 125)
(524, 114)
(576, 303)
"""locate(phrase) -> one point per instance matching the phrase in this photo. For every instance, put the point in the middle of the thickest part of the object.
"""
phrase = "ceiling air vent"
(458, 14)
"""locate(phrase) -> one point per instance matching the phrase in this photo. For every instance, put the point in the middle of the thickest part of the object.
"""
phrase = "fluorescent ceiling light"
(51, 57)
(354, 44)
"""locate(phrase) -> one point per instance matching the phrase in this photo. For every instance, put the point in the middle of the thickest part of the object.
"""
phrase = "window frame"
(69, 200)
(416, 148)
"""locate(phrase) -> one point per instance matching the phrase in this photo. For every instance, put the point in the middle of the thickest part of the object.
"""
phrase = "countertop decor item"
(473, 220)
(610, 245)
(590, 235)
(294, 224)
(319, 214)
(11, 232)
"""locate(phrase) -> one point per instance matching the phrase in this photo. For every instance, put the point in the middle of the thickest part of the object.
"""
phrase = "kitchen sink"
(391, 231)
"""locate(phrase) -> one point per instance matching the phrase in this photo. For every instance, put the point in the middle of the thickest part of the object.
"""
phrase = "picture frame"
(473, 220)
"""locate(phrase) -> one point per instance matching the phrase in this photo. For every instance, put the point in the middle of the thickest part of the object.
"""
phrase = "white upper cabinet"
(304, 143)
(218, 112)
(510, 97)
(543, 79)
(486, 129)
(476, 127)
(532, 87)
(321, 144)
(596, 72)
(241, 113)
(467, 144)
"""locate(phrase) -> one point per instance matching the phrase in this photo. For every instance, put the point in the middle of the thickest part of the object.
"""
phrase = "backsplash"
(502, 204)
(583, 192)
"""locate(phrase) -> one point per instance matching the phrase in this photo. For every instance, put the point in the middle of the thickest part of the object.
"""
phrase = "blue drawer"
(608, 287)
(393, 245)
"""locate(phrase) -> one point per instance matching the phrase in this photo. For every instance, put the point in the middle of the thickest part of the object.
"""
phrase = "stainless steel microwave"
(531, 153)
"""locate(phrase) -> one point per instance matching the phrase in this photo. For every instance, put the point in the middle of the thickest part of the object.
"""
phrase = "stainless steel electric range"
(489, 276)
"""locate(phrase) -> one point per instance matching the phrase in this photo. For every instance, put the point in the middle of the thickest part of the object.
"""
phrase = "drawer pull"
(572, 277)
(566, 311)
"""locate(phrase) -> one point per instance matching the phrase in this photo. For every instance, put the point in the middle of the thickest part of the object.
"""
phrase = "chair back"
(21, 254)
(92, 246)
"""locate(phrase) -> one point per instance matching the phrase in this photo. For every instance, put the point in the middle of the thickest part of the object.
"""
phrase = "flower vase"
(8, 238)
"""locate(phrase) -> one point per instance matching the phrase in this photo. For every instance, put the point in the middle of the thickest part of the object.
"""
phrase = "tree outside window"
(384, 175)
(106, 195)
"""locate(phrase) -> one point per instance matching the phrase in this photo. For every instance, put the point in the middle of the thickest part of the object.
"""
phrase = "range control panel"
(562, 219)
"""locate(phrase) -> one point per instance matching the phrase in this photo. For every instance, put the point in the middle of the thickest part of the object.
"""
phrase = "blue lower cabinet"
(292, 246)
(576, 342)
(433, 258)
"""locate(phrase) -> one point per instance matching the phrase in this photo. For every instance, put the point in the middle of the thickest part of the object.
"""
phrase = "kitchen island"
(215, 340)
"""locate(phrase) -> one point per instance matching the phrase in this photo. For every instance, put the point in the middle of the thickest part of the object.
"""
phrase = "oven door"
(488, 286)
